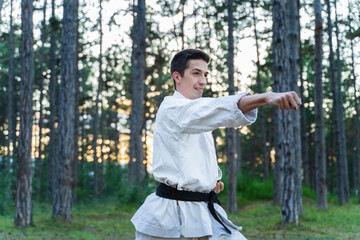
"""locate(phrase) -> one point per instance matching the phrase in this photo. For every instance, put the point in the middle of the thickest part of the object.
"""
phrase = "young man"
(185, 204)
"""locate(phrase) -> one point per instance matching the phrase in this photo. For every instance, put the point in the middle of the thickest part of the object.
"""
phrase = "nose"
(203, 80)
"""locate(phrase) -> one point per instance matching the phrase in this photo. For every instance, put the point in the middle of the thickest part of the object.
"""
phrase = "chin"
(197, 96)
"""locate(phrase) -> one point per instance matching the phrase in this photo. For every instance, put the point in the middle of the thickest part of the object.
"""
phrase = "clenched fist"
(219, 187)
(285, 100)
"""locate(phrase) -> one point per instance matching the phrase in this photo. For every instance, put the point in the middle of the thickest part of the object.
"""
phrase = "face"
(192, 84)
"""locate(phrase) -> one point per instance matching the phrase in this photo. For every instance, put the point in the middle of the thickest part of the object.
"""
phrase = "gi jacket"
(185, 158)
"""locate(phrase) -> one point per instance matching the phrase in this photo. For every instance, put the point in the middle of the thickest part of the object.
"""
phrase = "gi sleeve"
(207, 114)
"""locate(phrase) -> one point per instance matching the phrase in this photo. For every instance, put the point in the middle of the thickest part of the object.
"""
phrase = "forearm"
(284, 101)
(251, 102)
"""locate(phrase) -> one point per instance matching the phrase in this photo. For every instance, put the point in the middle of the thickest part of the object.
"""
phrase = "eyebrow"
(197, 69)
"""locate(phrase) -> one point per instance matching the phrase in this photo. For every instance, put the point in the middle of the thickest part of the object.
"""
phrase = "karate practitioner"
(185, 204)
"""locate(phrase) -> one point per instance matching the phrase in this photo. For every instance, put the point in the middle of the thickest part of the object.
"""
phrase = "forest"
(81, 83)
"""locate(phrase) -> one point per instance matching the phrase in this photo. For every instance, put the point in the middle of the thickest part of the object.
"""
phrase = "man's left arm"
(285, 100)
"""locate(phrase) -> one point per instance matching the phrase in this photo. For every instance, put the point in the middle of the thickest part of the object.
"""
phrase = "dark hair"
(180, 61)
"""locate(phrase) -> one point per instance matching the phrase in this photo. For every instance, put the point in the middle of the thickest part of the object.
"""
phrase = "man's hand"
(286, 100)
(219, 187)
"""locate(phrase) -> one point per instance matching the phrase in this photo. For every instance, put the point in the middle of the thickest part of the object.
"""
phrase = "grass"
(260, 220)
(90, 221)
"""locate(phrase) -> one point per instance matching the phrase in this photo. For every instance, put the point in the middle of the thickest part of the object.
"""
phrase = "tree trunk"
(182, 24)
(265, 156)
(356, 117)
(101, 172)
(336, 116)
(117, 133)
(83, 141)
(304, 138)
(50, 187)
(11, 141)
(335, 106)
(320, 153)
(1, 4)
(136, 170)
(196, 38)
(343, 155)
(84, 138)
(230, 132)
(38, 172)
(64, 172)
(77, 118)
(279, 73)
(293, 56)
(131, 165)
(289, 209)
(96, 114)
(238, 151)
(23, 211)
(311, 164)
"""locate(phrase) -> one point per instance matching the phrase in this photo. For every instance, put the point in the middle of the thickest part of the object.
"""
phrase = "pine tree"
(136, 170)
(64, 172)
(23, 212)
(320, 155)
(230, 132)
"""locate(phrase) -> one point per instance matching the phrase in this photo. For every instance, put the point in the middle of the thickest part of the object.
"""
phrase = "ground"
(259, 219)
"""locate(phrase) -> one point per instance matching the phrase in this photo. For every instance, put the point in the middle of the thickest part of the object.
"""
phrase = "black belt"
(166, 191)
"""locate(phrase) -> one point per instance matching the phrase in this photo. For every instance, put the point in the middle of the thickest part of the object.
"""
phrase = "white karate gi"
(185, 158)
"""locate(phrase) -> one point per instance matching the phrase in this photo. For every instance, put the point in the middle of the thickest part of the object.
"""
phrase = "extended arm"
(285, 100)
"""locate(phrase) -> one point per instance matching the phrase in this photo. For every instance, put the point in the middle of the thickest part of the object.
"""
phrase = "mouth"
(200, 89)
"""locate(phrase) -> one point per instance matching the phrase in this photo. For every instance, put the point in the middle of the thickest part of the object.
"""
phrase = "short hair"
(180, 61)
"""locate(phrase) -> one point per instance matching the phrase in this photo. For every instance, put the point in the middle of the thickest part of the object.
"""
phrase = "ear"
(177, 77)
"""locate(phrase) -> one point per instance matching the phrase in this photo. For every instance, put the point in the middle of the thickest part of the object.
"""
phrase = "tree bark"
(77, 118)
(238, 151)
(50, 187)
(131, 165)
(38, 172)
(136, 170)
(1, 4)
(335, 122)
(101, 172)
(289, 208)
(304, 137)
(293, 56)
(336, 116)
(84, 139)
(356, 117)
(265, 155)
(320, 154)
(23, 211)
(230, 132)
(11, 141)
(343, 154)
(182, 24)
(196, 38)
(96, 114)
(64, 172)
(279, 74)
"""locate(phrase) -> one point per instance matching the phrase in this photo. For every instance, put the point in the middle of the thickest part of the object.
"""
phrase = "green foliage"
(116, 184)
(309, 193)
(254, 188)
(135, 194)
(6, 192)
